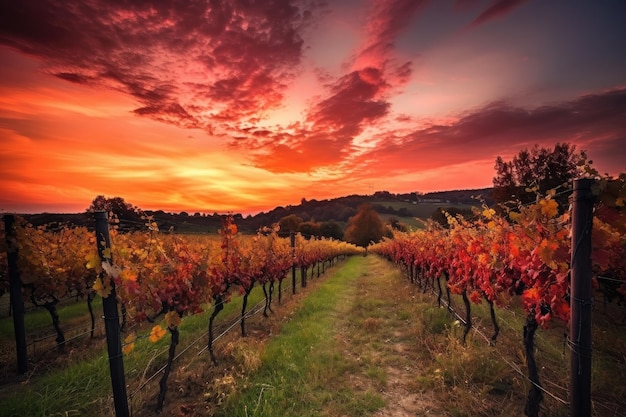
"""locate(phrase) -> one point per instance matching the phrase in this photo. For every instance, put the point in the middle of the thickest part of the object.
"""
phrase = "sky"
(215, 106)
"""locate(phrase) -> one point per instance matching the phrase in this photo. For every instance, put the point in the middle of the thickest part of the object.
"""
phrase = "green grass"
(83, 386)
(38, 319)
(303, 370)
(73, 391)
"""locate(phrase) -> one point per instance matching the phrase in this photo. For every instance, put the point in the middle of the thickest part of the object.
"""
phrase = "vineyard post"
(15, 291)
(580, 323)
(112, 323)
(292, 237)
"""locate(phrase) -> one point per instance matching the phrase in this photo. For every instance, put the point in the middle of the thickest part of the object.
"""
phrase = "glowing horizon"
(244, 108)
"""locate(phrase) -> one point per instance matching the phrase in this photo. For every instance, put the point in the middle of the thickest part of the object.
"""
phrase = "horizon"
(246, 214)
(216, 108)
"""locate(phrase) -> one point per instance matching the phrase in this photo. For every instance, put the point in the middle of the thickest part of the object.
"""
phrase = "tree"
(308, 229)
(290, 223)
(124, 211)
(537, 170)
(331, 229)
(365, 227)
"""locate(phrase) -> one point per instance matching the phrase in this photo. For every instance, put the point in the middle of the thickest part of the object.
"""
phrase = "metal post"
(112, 323)
(15, 291)
(292, 236)
(580, 321)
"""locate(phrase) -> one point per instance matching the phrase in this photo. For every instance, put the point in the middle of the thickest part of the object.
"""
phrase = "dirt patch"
(402, 401)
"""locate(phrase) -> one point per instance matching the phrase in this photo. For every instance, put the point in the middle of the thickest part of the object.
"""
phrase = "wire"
(230, 325)
(511, 365)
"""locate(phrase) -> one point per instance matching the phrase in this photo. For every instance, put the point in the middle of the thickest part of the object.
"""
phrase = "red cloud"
(195, 65)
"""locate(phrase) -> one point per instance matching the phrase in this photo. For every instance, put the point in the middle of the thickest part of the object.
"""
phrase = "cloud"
(197, 65)
(218, 66)
(590, 122)
(355, 100)
(386, 20)
(497, 9)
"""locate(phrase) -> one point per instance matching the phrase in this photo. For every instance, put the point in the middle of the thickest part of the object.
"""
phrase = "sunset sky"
(242, 106)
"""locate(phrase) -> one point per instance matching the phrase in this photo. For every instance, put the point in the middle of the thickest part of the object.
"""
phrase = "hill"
(407, 208)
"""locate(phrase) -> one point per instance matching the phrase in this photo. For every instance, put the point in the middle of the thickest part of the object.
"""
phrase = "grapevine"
(526, 251)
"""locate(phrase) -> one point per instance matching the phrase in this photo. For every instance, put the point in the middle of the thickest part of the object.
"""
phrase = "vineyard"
(527, 251)
(149, 281)
(152, 283)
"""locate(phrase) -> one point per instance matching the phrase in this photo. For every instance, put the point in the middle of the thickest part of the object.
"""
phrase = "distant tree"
(309, 229)
(331, 229)
(123, 210)
(537, 170)
(346, 213)
(365, 227)
(290, 223)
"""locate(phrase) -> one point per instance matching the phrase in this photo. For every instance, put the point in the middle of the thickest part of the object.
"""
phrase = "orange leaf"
(156, 333)
(128, 275)
(129, 343)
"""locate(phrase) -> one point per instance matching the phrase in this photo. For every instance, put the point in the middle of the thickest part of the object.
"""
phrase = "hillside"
(404, 207)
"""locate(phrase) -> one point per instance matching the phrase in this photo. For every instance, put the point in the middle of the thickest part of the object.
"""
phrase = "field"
(361, 340)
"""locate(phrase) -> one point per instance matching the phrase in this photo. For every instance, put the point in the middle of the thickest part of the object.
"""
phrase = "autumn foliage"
(496, 256)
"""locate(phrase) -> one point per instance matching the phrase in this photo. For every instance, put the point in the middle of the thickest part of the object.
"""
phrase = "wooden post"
(112, 323)
(580, 302)
(15, 291)
(292, 236)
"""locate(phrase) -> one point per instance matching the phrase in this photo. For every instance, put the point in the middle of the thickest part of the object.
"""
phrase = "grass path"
(347, 351)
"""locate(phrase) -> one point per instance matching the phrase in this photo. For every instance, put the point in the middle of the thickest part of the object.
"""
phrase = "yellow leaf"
(102, 289)
(488, 213)
(549, 208)
(515, 216)
(172, 318)
(93, 261)
(156, 333)
(129, 343)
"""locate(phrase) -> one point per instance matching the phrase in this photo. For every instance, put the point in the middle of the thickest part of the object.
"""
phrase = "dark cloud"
(354, 100)
(497, 9)
(587, 122)
(167, 54)
(386, 20)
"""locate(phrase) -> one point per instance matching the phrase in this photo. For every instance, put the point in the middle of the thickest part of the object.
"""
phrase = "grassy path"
(349, 350)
